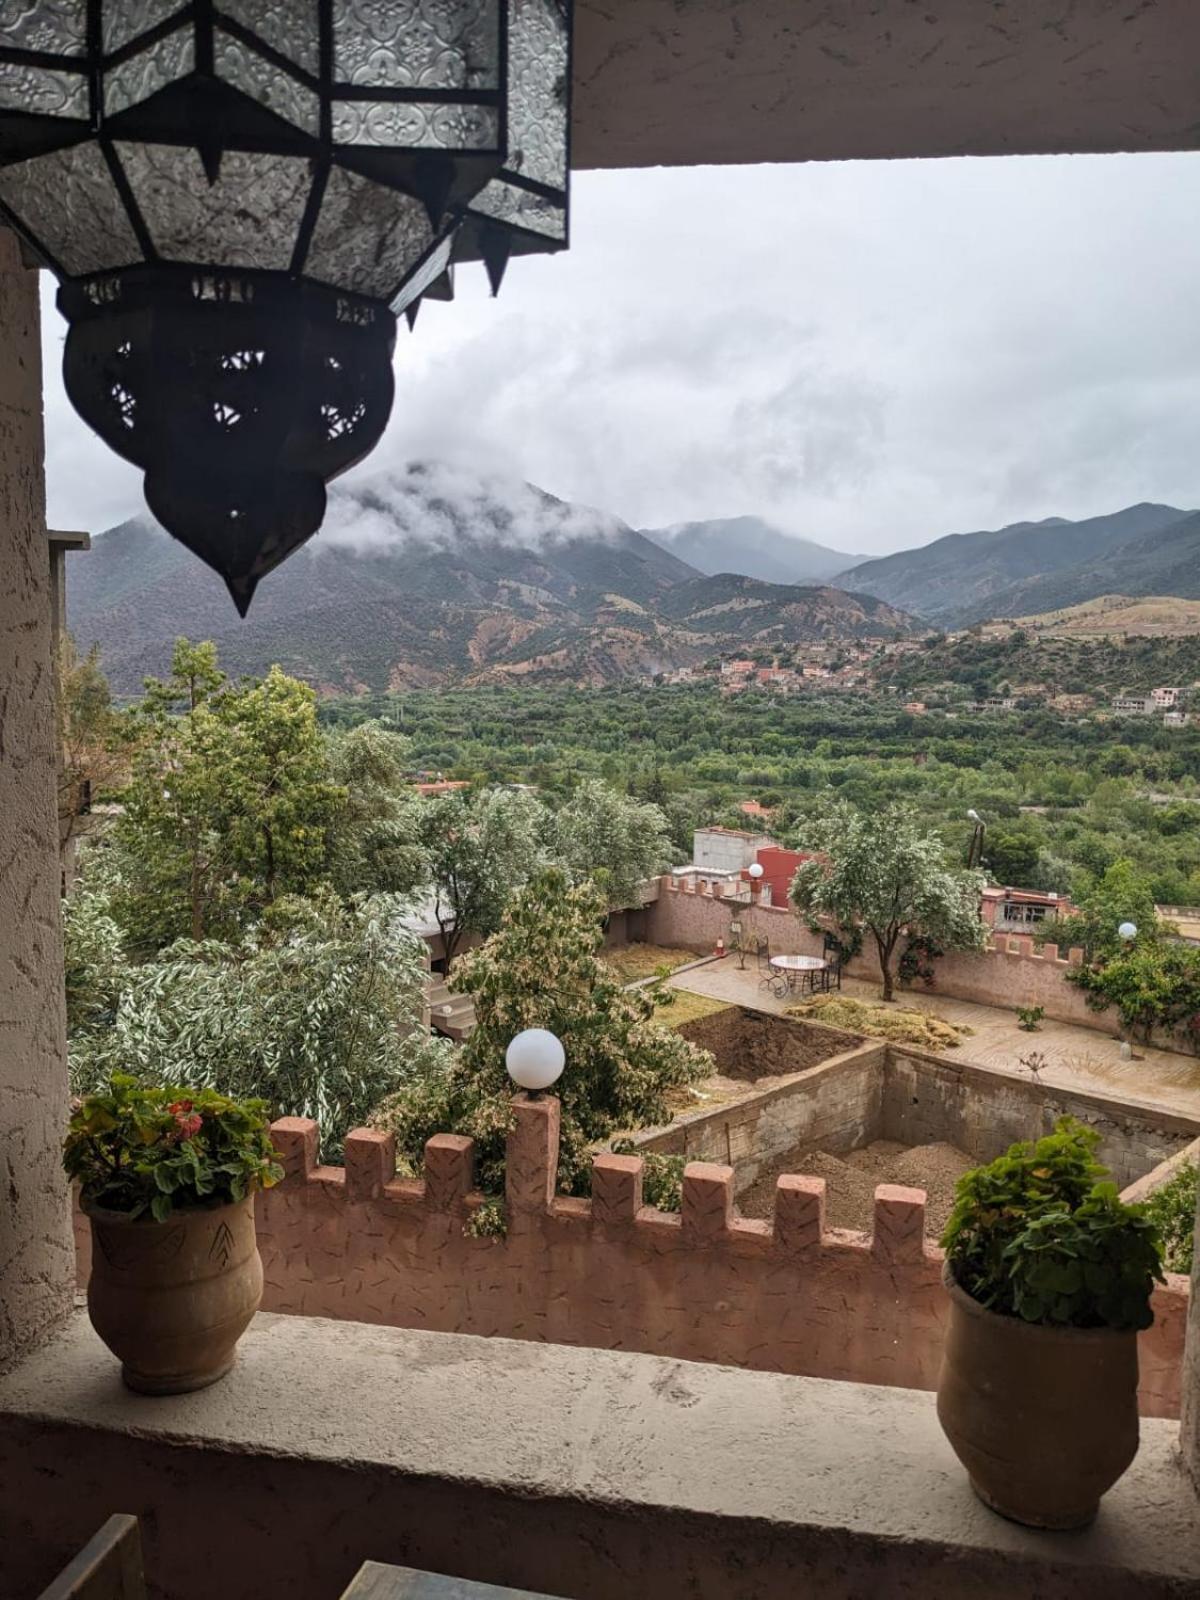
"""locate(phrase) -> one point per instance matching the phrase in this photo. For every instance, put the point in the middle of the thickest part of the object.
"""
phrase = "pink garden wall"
(705, 1285)
(1011, 973)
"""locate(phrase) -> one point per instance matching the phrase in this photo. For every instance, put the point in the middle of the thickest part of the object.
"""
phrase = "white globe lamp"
(535, 1059)
(756, 870)
(1128, 931)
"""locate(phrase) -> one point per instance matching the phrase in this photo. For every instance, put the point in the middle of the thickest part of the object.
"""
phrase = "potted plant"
(1050, 1278)
(168, 1178)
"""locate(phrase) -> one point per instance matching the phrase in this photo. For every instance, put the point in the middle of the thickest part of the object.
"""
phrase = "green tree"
(229, 805)
(619, 841)
(480, 848)
(1121, 894)
(317, 1009)
(374, 841)
(1012, 857)
(882, 871)
(542, 968)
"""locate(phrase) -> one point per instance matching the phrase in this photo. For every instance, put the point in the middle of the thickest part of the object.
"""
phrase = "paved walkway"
(1075, 1057)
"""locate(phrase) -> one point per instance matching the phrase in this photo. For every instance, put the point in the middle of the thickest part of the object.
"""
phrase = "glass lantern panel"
(537, 91)
(69, 202)
(149, 71)
(53, 27)
(367, 237)
(426, 273)
(402, 125)
(518, 208)
(289, 26)
(131, 18)
(266, 84)
(417, 44)
(250, 217)
(43, 92)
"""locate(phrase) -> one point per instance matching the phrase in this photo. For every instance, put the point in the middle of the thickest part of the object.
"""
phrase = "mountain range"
(429, 576)
(752, 547)
(1032, 567)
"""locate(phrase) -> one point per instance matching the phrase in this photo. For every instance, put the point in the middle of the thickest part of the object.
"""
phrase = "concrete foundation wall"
(1011, 974)
(836, 1105)
(36, 1266)
(927, 1098)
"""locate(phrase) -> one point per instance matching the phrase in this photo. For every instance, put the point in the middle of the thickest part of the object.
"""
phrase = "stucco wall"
(36, 1265)
(1011, 974)
(706, 1285)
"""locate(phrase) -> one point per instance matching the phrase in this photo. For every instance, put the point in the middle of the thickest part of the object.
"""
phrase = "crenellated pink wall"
(1012, 973)
(705, 1285)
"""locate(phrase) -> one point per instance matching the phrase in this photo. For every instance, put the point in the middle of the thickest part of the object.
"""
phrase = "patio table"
(797, 972)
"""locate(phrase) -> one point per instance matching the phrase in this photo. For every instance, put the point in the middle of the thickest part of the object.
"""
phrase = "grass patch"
(633, 961)
(897, 1023)
(687, 1007)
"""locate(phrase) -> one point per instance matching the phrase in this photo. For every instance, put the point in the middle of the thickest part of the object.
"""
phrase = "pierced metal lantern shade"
(238, 197)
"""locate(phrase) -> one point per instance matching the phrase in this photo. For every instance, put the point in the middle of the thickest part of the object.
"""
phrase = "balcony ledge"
(578, 1472)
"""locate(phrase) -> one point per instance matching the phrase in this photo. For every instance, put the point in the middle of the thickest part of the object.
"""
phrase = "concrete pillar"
(36, 1256)
(1189, 1425)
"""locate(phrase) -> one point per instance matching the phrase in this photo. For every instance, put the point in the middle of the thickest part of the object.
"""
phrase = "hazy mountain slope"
(1164, 562)
(761, 612)
(967, 576)
(429, 577)
(752, 547)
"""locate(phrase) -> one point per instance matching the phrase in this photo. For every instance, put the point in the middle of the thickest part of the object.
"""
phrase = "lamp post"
(975, 851)
(535, 1059)
(238, 199)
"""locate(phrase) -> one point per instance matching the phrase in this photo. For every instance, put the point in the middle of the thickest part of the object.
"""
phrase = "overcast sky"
(866, 354)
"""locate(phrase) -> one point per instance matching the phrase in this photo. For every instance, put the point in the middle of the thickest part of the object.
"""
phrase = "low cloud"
(866, 354)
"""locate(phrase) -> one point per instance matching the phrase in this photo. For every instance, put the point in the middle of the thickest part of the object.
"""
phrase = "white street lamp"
(756, 871)
(1128, 931)
(535, 1059)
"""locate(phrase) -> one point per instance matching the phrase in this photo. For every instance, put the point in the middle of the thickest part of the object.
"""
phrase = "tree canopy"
(885, 871)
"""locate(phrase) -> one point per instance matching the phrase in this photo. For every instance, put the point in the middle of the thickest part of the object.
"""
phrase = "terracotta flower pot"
(1044, 1419)
(171, 1299)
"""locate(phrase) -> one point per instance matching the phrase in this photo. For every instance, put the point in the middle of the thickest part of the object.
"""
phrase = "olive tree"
(882, 871)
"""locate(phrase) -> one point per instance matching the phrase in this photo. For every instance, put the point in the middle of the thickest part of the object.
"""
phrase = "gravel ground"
(850, 1181)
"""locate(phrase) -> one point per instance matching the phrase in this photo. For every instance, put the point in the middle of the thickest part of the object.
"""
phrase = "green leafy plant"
(135, 1147)
(1029, 1017)
(662, 1175)
(1172, 1209)
(1038, 1234)
(1152, 986)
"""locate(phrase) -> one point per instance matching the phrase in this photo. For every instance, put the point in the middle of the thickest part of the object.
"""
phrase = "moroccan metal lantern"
(238, 197)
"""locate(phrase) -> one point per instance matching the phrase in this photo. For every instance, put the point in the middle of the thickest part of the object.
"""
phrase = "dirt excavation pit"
(850, 1181)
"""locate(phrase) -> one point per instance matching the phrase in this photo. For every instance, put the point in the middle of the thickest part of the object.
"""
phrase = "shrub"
(1172, 1209)
(544, 969)
(1028, 1017)
(136, 1148)
(1037, 1234)
(1152, 986)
